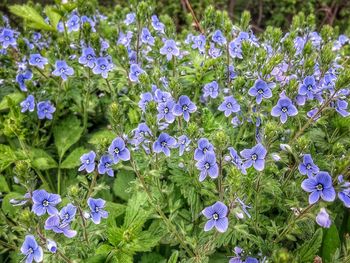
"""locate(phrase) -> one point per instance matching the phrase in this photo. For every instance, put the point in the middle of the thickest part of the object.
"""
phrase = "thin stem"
(92, 185)
(84, 225)
(189, 7)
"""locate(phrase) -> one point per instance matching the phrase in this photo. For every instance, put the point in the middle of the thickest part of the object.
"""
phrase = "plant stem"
(92, 185)
(84, 225)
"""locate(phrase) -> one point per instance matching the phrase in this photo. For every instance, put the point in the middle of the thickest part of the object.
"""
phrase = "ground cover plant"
(122, 140)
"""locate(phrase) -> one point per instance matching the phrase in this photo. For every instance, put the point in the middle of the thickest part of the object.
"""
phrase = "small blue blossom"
(102, 66)
(307, 166)
(141, 134)
(67, 213)
(45, 110)
(45, 202)
(88, 162)
(97, 210)
(104, 166)
(8, 38)
(38, 61)
(57, 225)
(236, 160)
(308, 88)
(208, 166)
(235, 50)
(184, 107)
(204, 147)
(341, 107)
(199, 42)
(146, 98)
(165, 111)
(254, 156)
(284, 108)
(22, 77)
(229, 106)
(183, 142)
(62, 69)
(323, 219)
(88, 57)
(28, 104)
(125, 39)
(217, 217)
(157, 25)
(219, 38)
(118, 150)
(170, 49)
(51, 246)
(162, 96)
(261, 90)
(135, 72)
(214, 52)
(73, 23)
(31, 250)
(146, 37)
(211, 89)
(164, 143)
(130, 19)
(344, 192)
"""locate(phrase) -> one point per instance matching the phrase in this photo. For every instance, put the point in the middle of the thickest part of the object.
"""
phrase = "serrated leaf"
(7, 156)
(53, 16)
(310, 248)
(42, 160)
(16, 97)
(73, 159)
(67, 133)
(121, 183)
(330, 243)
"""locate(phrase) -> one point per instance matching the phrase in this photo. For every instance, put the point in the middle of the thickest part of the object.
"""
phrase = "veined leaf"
(53, 16)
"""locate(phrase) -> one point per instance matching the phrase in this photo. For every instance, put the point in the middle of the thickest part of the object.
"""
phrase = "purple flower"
(254, 156)
(217, 216)
(38, 61)
(307, 166)
(57, 225)
(97, 209)
(102, 66)
(88, 57)
(184, 107)
(328, 82)
(31, 250)
(51, 245)
(130, 18)
(312, 114)
(229, 106)
(45, 202)
(236, 160)
(199, 42)
(164, 143)
(45, 110)
(344, 192)
(73, 23)
(140, 133)
(118, 150)
(170, 49)
(319, 186)
(182, 143)
(22, 77)
(261, 90)
(214, 52)
(219, 38)
(162, 96)
(67, 213)
(125, 39)
(323, 218)
(208, 166)
(204, 147)
(341, 107)
(62, 69)
(284, 108)
(145, 99)
(28, 104)
(211, 89)
(135, 72)
(104, 166)
(157, 25)
(7, 38)
(308, 87)
(165, 111)
(235, 50)
(88, 162)
(146, 37)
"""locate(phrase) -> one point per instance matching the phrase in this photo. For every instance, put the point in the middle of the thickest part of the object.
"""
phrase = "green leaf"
(73, 159)
(330, 243)
(53, 15)
(174, 256)
(3, 185)
(31, 16)
(97, 137)
(16, 97)
(309, 249)
(42, 160)
(66, 133)
(121, 183)
(7, 156)
(8, 208)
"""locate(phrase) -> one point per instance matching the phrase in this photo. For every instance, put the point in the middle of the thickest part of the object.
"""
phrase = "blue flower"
(211, 89)
(130, 18)
(164, 143)
(204, 147)
(307, 166)
(341, 107)
(38, 61)
(235, 50)
(184, 107)
(145, 99)
(45, 110)
(183, 142)
(284, 108)
(217, 216)
(162, 96)
(124, 39)
(328, 82)
(229, 106)
(62, 69)
(88, 162)
(57, 225)
(231, 72)
(236, 160)
(67, 213)
(170, 49)
(97, 209)
(323, 218)
(22, 77)
(308, 87)
(104, 166)
(214, 52)
(319, 186)
(261, 90)
(344, 192)
(118, 150)
(165, 111)
(157, 25)
(73, 23)
(88, 57)
(140, 134)
(208, 166)
(28, 104)
(199, 42)
(254, 156)
(31, 250)
(135, 72)
(51, 245)
(219, 38)
(146, 37)
(102, 66)
(45, 202)
(8, 38)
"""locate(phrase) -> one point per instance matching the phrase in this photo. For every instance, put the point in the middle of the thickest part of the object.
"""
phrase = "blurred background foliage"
(278, 13)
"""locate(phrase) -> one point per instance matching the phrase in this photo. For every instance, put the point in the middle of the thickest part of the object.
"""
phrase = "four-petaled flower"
(236, 160)
(104, 166)
(308, 87)
(208, 166)
(7, 38)
(344, 192)
(219, 38)
(284, 108)
(28, 104)
(57, 225)
(62, 69)
(73, 23)
(307, 166)
(45, 110)
(97, 210)
(319, 186)
(45, 202)
(217, 216)
(67, 213)
(211, 89)
(157, 25)
(102, 66)
(254, 156)
(88, 57)
(87, 162)
(170, 49)
(135, 72)
(184, 107)
(146, 37)
(164, 143)
(37, 60)
(229, 106)
(32, 250)
(183, 143)
(165, 111)
(204, 147)
(118, 150)
(261, 90)
(145, 99)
